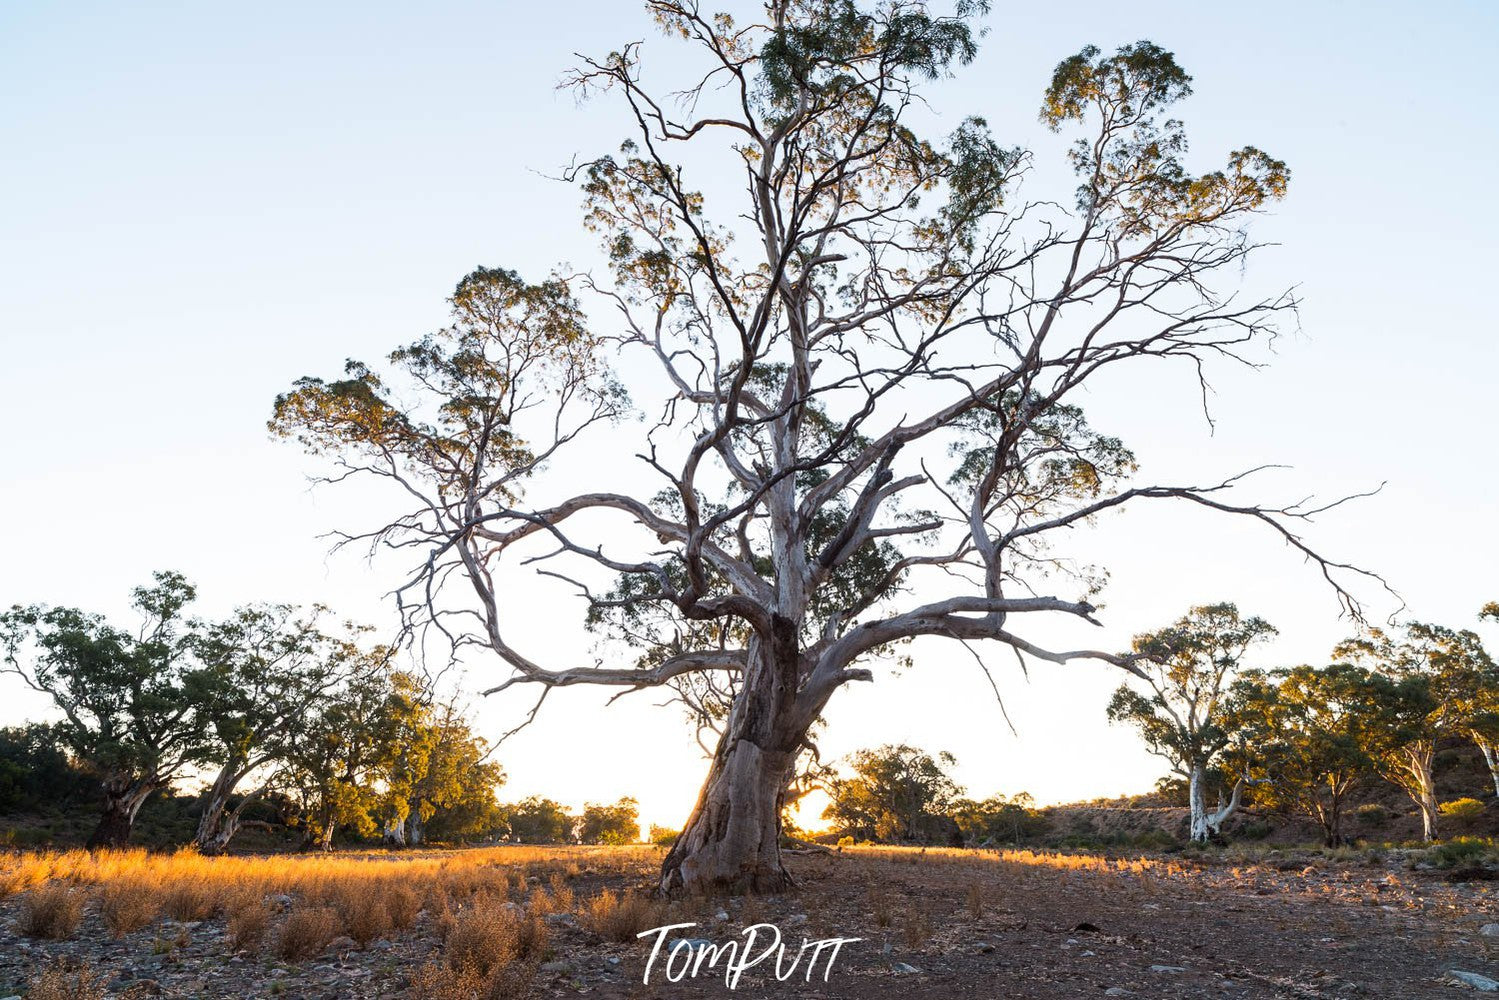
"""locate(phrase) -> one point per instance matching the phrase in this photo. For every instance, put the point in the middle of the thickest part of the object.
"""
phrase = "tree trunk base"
(731, 844)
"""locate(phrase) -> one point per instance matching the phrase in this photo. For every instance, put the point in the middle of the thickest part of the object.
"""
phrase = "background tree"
(1421, 692)
(435, 768)
(868, 432)
(537, 820)
(333, 760)
(1473, 683)
(998, 819)
(261, 674)
(35, 771)
(126, 715)
(610, 824)
(896, 794)
(1307, 730)
(1189, 712)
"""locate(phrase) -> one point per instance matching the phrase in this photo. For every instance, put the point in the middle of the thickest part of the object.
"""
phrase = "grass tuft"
(52, 911)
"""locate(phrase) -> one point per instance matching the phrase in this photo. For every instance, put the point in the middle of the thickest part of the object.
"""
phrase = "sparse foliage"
(869, 430)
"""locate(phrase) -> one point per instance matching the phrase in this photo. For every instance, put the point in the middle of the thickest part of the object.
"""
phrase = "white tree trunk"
(1491, 758)
(1424, 791)
(395, 832)
(1205, 822)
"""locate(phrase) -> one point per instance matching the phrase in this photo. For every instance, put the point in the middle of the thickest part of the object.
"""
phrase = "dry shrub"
(62, 981)
(975, 902)
(436, 981)
(247, 926)
(563, 897)
(916, 928)
(52, 911)
(365, 916)
(482, 939)
(443, 917)
(540, 903)
(620, 917)
(186, 901)
(307, 932)
(128, 905)
(403, 904)
(879, 904)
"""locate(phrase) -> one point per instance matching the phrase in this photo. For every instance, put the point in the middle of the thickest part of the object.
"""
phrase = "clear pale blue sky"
(199, 203)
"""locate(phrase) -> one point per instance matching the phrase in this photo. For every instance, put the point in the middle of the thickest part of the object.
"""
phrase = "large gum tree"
(867, 347)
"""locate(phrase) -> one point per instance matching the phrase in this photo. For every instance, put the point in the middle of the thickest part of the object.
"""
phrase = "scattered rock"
(672, 944)
(1472, 980)
(902, 969)
(612, 960)
(723, 915)
(559, 966)
(1489, 930)
(795, 920)
(1169, 970)
(1117, 991)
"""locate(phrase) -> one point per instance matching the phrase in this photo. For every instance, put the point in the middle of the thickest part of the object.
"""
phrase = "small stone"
(557, 967)
(562, 920)
(902, 969)
(796, 920)
(1169, 970)
(986, 949)
(1089, 954)
(723, 915)
(1489, 930)
(612, 960)
(1472, 980)
(692, 944)
(1117, 991)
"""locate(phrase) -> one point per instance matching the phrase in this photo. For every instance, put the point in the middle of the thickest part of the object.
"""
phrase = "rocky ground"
(934, 924)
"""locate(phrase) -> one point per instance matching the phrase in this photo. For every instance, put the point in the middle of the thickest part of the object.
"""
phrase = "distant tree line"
(273, 707)
(1305, 740)
(898, 794)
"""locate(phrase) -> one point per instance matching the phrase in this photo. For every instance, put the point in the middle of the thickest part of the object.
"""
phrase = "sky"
(200, 203)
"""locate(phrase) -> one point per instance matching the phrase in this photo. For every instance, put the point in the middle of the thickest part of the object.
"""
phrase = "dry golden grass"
(317, 876)
(616, 917)
(307, 933)
(128, 905)
(51, 911)
(62, 981)
(197, 900)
